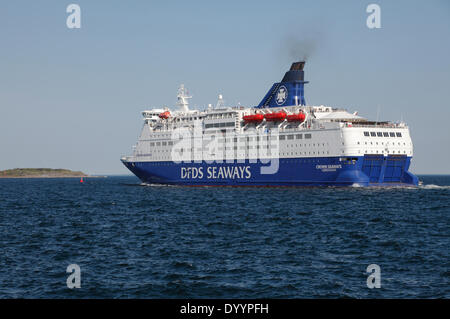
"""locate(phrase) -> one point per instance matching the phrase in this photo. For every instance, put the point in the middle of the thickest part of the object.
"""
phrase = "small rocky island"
(40, 173)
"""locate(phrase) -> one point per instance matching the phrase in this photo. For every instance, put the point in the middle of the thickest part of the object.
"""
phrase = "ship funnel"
(288, 92)
(297, 66)
(295, 73)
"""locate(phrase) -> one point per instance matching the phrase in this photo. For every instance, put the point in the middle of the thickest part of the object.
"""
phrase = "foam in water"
(433, 186)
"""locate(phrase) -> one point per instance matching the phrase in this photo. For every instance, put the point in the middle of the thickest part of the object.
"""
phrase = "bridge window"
(299, 136)
(398, 134)
(373, 134)
(379, 134)
(307, 136)
(366, 133)
(290, 137)
(391, 134)
(385, 134)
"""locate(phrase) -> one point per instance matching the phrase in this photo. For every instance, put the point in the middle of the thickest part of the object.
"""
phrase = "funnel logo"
(282, 95)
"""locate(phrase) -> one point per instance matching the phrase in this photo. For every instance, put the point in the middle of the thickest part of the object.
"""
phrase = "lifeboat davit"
(254, 118)
(164, 115)
(275, 117)
(299, 117)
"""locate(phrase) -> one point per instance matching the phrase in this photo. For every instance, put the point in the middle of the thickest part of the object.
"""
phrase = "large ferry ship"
(279, 142)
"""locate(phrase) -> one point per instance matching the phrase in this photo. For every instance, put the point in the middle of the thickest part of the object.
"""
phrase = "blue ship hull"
(369, 170)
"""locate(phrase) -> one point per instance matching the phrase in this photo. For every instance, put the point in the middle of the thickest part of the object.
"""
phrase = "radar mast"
(183, 98)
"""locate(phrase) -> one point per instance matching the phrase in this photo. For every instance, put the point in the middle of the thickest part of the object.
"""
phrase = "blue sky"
(72, 98)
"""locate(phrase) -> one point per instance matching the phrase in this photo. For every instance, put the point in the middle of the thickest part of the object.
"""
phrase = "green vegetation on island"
(39, 172)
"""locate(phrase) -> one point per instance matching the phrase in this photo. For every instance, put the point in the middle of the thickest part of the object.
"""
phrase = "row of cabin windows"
(170, 143)
(273, 138)
(249, 139)
(187, 119)
(282, 153)
(181, 151)
(243, 147)
(297, 136)
(282, 160)
(381, 152)
(242, 139)
(224, 124)
(281, 137)
(294, 153)
(383, 134)
(220, 116)
(305, 153)
(382, 143)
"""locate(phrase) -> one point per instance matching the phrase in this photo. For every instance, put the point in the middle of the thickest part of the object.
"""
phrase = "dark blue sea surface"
(134, 241)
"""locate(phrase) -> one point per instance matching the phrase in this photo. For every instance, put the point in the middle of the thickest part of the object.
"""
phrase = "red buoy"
(255, 118)
(81, 180)
(275, 117)
(299, 117)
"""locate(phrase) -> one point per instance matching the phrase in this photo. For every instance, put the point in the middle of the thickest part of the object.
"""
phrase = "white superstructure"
(325, 132)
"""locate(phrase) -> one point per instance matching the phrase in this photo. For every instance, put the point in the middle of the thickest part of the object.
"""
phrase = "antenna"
(183, 97)
(378, 114)
(220, 102)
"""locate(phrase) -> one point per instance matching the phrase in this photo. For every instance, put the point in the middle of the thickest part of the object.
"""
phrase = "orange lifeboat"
(299, 117)
(255, 118)
(275, 117)
(164, 115)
